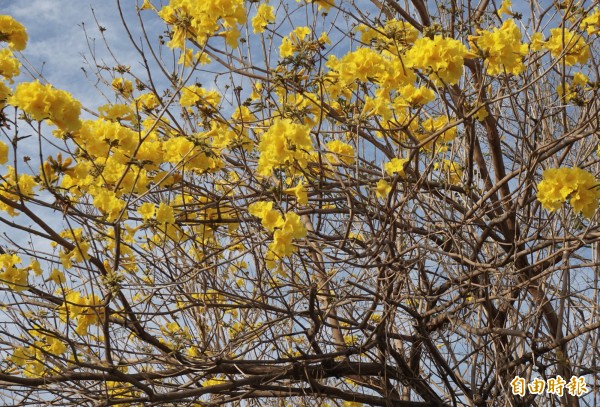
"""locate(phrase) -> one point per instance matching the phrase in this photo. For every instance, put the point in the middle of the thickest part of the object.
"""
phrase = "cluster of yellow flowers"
(9, 65)
(195, 95)
(501, 48)
(13, 33)
(389, 71)
(393, 36)
(564, 43)
(591, 23)
(284, 230)
(45, 102)
(443, 57)
(576, 185)
(342, 152)
(292, 43)
(284, 143)
(264, 16)
(32, 359)
(88, 310)
(14, 277)
(199, 20)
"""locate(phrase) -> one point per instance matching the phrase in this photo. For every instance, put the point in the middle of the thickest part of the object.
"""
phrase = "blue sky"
(57, 41)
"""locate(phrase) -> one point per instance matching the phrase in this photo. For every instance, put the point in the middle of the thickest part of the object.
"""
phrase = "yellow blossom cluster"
(284, 228)
(564, 43)
(45, 102)
(575, 185)
(14, 187)
(452, 170)
(85, 311)
(416, 96)
(33, 359)
(299, 192)
(382, 188)
(443, 57)
(284, 143)
(195, 95)
(123, 86)
(199, 20)
(591, 23)
(291, 43)
(367, 65)
(393, 35)
(79, 253)
(502, 49)
(3, 153)
(340, 152)
(433, 125)
(13, 32)
(9, 65)
(395, 166)
(264, 16)
(11, 275)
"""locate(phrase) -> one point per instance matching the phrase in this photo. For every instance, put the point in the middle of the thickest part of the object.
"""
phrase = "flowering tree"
(308, 203)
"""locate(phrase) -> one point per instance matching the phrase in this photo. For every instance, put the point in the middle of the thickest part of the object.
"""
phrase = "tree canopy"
(326, 202)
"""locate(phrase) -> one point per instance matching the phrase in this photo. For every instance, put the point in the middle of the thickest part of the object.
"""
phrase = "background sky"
(57, 42)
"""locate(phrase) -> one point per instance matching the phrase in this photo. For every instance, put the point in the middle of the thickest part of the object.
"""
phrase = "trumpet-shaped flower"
(13, 32)
(443, 57)
(575, 185)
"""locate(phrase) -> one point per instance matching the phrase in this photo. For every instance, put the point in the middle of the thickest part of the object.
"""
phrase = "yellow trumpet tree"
(324, 202)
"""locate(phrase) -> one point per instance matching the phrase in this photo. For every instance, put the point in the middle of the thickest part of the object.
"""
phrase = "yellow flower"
(433, 125)
(5, 93)
(537, 42)
(263, 16)
(286, 49)
(9, 65)
(107, 202)
(85, 311)
(35, 267)
(481, 114)
(592, 22)
(13, 32)
(342, 151)
(382, 189)
(284, 143)
(566, 44)
(505, 8)
(147, 210)
(396, 165)
(417, 96)
(299, 191)
(15, 278)
(199, 20)
(576, 185)
(57, 277)
(123, 86)
(580, 79)
(270, 218)
(147, 101)
(195, 95)
(3, 153)
(164, 214)
(294, 225)
(43, 102)
(115, 112)
(231, 37)
(452, 169)
(444, 57)
(502, 49)
(147, 6)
